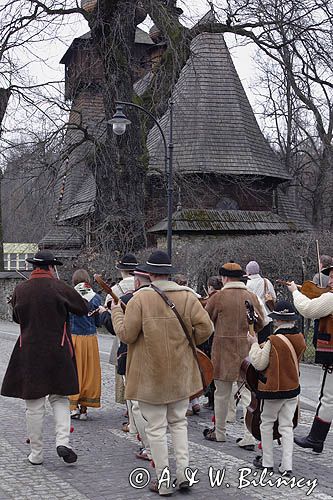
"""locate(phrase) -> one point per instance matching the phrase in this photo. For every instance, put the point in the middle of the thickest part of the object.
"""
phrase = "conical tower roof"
(215, 129)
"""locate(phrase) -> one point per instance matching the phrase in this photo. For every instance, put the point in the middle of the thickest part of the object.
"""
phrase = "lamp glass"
(119, 128)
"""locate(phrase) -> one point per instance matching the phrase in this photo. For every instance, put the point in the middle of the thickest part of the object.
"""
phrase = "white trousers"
(221, 404)
(231, 415)
(35, 412)
(137, 424)
(283, 410)
(325, 406)
(159, 418)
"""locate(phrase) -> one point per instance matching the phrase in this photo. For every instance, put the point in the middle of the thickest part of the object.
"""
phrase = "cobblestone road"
(106, 455)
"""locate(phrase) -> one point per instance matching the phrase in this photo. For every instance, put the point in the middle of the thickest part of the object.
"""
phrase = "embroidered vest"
(324, 349)
(280, 380)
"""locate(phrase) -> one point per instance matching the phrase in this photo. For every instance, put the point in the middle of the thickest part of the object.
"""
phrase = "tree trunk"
(119, 170)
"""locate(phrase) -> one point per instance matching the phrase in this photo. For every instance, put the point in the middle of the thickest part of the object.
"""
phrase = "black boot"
(316, 437)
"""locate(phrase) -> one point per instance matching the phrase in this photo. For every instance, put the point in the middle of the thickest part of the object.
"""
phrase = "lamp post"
(119, 123)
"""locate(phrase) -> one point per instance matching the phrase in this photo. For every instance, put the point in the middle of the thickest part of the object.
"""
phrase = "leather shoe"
(67, 454)
(247, 447)
(257, 462)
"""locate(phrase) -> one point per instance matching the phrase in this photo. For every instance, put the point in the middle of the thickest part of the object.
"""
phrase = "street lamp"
(119, 123)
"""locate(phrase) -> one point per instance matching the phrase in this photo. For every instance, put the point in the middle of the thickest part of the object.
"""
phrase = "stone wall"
(8, 282)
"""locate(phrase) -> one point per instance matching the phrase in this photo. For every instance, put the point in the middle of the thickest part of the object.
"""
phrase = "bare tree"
(296, 36)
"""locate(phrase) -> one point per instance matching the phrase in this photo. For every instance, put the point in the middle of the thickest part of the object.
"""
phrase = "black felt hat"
(158, 263)
(45, 257)
(284, 311)
(127, 263)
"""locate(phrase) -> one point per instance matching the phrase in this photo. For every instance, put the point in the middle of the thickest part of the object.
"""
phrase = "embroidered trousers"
(283, 410)
(35, 411)
(159, 418)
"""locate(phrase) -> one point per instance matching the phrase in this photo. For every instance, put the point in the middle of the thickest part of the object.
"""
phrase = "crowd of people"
(158, 322)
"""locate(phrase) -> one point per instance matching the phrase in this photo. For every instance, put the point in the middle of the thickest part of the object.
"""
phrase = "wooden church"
(227, 179)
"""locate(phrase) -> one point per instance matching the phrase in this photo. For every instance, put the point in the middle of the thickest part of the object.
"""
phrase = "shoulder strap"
(180, 319)
(265, 286)
(291, 347)
(189, 338)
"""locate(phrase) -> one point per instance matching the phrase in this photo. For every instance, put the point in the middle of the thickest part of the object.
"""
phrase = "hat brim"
(54, 262)
(283, 317)
(158, 269)
(327, 270)
(126, 267)
(232, 273)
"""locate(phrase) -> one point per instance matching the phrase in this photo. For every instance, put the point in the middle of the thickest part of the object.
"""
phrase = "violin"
(107, 289)
(251, 377)
(309, 288)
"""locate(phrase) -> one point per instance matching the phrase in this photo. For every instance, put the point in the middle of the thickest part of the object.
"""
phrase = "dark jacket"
(42, 361)
(86, 325)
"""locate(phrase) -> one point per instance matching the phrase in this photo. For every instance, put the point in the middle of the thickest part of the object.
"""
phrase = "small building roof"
(20, 248)
(62, 237)
(141, 37)
(214, 127)
(196, 221)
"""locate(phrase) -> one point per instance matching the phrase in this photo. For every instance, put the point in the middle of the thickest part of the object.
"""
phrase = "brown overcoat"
(228, 313)
(39, 364)
(161, 367)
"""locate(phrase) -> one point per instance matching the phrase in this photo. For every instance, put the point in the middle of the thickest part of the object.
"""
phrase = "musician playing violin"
(319, 308)
(279, 386)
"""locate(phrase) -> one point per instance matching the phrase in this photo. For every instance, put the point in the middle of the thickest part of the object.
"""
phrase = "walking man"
(162, 372)
(230, 346)
(43, 361)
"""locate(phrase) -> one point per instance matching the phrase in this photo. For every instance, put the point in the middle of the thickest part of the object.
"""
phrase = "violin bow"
(318, 257)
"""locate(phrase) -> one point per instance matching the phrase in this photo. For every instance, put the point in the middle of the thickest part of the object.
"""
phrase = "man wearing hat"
(43, 361)
(228, 313)
(162, 372)
(126, 265)
(319, 308)
(278, 388)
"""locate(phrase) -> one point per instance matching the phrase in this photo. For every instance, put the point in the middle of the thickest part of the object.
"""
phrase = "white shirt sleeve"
(313, 308)
(259, 356)
(271, 289)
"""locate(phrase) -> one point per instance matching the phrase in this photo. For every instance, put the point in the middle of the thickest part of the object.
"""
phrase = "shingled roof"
(215, 129)
(223, 221)
(288, 210)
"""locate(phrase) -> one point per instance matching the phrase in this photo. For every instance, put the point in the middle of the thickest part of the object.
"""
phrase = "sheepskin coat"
(161, 367)
(40, 364)
(228, 313)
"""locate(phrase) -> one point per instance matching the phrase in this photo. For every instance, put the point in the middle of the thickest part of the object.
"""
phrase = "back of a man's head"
(326, 261)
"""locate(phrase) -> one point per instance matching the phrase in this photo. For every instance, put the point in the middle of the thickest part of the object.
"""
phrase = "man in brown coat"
(43, 362)
(230, 346)
(162, 372)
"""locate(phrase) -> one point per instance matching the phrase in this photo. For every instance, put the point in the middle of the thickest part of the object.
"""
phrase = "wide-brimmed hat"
(232, 270)
(45, 257)
(127, 263)
(284, 311)
(327, 270)
(158, 263)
